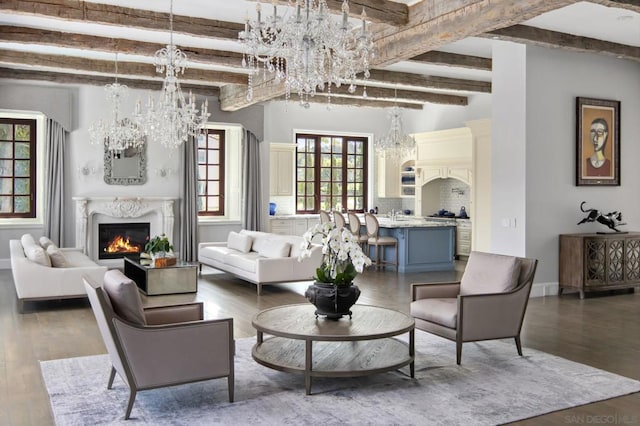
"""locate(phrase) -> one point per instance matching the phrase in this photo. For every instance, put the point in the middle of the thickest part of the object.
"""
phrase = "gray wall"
(554, 79)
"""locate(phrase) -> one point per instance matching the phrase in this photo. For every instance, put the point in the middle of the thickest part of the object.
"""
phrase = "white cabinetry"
(388, 181)
(282, 159)
(443, 154)
(463, 238)
(291, 225)
(408, 179)
(281, 226)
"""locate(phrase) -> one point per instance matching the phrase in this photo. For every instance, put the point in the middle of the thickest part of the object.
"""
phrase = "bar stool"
(338, 218)
(355, 227)
(324, 217)
(376, 240)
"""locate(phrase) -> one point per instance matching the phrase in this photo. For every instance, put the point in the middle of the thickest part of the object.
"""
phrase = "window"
(211, 156)
(17, 168)
(331, 173)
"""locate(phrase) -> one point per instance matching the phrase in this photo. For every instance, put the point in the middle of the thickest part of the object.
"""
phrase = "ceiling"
(431, 51)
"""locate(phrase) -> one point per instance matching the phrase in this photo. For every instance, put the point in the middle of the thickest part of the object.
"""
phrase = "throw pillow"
(240, 242)
(27, 240)
(45, 242)
(124, 296)
(489, 273)
(275, 248)
(36, 254)
(57, 257)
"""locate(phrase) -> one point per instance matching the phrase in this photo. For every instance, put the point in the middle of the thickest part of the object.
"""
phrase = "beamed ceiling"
(429, 51)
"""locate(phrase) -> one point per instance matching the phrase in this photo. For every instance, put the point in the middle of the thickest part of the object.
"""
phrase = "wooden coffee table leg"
(307, 366)
(412, 353)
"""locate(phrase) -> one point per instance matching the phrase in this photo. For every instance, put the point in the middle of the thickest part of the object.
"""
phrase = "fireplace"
(116, 240)
(91, 212)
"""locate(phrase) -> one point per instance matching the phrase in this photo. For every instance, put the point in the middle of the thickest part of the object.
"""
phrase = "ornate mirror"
(126, 167)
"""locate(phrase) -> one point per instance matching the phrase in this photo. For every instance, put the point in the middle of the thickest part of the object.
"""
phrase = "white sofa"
(37, 281)
(261, 257)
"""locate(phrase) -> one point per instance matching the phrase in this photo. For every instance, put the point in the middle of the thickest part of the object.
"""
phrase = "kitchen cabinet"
(388, 177)
(463, 238)
(291, 225)
(461, 172)
(408, 179)
(281, 163)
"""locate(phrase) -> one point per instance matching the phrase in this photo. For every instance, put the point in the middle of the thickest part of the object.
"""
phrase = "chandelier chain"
(172, 118)
(116, 134)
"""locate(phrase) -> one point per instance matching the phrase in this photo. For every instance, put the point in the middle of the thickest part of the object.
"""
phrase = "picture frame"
(597, 142)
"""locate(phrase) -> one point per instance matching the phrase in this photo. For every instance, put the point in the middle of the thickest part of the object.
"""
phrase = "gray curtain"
(189, 206)
(252, 194)
(54, 182)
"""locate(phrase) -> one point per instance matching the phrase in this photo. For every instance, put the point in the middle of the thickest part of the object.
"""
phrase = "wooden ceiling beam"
(633, 5)
(381, 11)
(540, 37)
(96, 80)
(472, 17)
(447, 59)
(137, 69)
(391, 95)
(98, 13)
(432, 24)
(35, 36)
(356, 102)
(418, 81)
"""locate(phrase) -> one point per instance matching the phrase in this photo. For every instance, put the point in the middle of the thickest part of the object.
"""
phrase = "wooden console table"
(599, 262)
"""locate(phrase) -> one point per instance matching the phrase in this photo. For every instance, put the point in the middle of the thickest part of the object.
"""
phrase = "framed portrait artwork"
(598, 142)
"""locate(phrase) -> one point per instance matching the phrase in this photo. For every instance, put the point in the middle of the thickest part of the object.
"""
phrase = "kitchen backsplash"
(454, 194)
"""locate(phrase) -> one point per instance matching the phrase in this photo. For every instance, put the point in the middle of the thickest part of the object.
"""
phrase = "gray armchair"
(160, 346)
(489, 302)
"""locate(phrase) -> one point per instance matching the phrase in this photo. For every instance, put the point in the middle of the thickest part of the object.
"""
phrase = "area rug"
(492, 386)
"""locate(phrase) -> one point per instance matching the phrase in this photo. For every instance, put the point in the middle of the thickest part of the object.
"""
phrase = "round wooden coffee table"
(359, 346)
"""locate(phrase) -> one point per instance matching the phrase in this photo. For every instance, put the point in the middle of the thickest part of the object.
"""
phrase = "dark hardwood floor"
(602, 331)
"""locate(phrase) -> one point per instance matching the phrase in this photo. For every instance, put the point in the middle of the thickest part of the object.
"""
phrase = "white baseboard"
(544, 289)
(5, 263)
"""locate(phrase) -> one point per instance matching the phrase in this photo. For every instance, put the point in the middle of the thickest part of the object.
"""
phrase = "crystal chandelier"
(396, 144)
(172, 118)
(306, 50)
(117, 134)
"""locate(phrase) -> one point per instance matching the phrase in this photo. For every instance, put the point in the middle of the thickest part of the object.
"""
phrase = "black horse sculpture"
(611, 220)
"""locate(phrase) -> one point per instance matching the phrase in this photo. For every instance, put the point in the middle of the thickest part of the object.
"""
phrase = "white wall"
(79, 106)
(554, 79)
(508, 150)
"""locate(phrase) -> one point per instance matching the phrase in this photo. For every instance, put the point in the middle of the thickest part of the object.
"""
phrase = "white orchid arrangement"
(342, 256)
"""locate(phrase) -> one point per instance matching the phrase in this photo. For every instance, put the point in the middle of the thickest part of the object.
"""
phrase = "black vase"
(332, 301)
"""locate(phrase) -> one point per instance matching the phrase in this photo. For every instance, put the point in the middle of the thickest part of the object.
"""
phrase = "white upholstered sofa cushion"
(240, 242)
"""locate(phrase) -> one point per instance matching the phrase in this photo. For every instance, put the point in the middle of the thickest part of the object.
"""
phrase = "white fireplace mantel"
(88, 209)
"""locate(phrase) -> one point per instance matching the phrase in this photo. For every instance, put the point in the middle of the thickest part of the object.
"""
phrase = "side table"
(179, 278)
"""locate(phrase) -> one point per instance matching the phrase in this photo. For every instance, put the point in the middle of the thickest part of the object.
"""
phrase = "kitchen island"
(423, 244)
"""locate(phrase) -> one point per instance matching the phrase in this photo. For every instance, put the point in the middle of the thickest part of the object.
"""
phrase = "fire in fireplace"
(116, 240)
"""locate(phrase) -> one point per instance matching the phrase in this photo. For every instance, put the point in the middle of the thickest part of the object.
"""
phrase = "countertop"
(384, 221)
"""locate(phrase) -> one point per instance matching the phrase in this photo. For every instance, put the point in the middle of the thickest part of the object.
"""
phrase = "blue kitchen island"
(423, 245)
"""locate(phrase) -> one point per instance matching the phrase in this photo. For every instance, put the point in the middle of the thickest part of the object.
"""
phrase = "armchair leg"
(112, 376)
(230, 382)
(458, 352)
(518, 345)
(132, 398)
